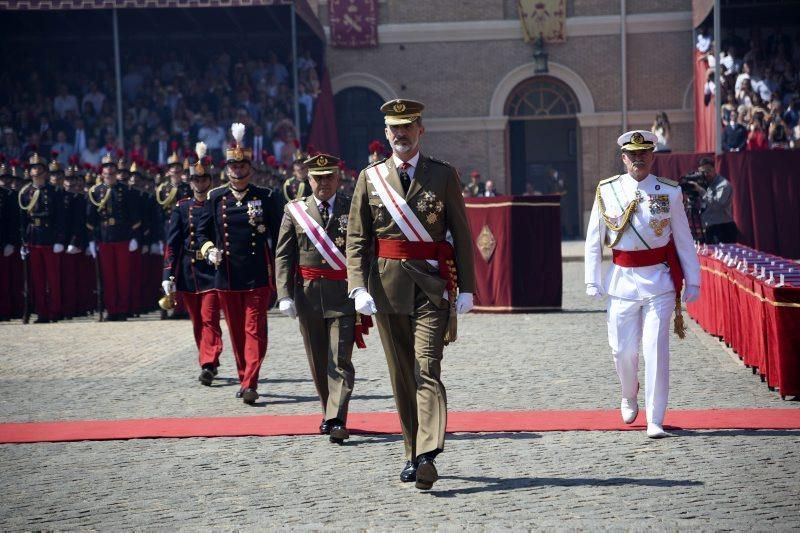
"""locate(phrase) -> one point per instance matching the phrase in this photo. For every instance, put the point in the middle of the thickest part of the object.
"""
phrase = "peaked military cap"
(322, 164)
(636, 140)
(35, 160)
(401, 111)
(108, 161)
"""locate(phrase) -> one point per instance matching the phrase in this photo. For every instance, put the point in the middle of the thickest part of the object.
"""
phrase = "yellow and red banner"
(543, 18)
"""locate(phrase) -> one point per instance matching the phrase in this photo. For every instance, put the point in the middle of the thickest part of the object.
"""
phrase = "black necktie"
(323, 210)
(404, 177)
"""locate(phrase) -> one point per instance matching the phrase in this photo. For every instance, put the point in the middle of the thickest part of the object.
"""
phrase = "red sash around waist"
(309, 272)
(441, 251)
(640, 258)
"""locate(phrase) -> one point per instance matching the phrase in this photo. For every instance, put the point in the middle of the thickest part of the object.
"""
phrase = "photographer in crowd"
(717, 214)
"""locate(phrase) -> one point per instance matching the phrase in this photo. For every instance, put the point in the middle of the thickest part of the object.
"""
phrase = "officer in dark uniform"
(75, 262)
(43, 224)
(9, 241)
(297, 185)
(113, 218)
(236, 231)
(69, 263)
(186, 271)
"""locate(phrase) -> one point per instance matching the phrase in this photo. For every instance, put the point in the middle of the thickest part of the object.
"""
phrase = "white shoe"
(629, 409)
(655, 431)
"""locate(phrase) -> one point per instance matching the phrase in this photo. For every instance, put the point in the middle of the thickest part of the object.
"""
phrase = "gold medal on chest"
(659, 225)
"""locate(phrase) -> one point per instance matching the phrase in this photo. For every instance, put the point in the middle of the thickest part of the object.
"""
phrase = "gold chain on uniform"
(34, 198)
(626, 217)
(102, 203)
(300, 190)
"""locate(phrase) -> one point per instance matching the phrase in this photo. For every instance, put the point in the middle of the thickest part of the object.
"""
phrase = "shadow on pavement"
(492, 484)
(582, 311)
(735, 432)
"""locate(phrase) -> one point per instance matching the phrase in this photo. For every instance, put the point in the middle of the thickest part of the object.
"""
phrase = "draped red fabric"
(524, 271)
(703, 114)
(760, 322)
(766, 194)
(323, 133)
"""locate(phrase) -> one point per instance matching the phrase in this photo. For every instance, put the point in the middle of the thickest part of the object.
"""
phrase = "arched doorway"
(543, 142)
(358, 121)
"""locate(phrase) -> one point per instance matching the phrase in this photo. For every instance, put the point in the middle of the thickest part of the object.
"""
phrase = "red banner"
(354, 23)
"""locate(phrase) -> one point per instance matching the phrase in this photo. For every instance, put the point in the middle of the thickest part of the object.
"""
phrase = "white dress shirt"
(330, 205)
(413, 162)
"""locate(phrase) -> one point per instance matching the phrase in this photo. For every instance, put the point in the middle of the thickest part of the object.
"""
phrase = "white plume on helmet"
(200, 149)
(237, 130)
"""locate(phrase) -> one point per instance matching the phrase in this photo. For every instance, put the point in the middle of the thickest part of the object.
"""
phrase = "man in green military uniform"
(311, 277)
(297, 185)
(401, 266)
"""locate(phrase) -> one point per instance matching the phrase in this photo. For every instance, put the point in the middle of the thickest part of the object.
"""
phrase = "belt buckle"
(111, 221)
(37, 222)
(198, 255)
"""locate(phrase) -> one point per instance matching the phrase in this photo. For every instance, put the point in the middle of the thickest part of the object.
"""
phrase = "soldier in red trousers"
(186, 271)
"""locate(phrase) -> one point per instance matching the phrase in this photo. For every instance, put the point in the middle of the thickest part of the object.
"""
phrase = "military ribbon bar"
(319, 238)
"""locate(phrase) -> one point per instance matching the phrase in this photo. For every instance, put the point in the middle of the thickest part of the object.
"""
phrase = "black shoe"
(249, 396)
(215, 370)
(325, 428)
(207, 375)
(426, 473)
(239, 393)
(339, 432)
(409, 472)
(41, 320)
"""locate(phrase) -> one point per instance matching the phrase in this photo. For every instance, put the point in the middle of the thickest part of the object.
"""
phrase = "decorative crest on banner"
(545, 18)
(354, 23)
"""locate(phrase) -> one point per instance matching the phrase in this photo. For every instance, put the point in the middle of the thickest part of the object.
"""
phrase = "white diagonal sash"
(399, 210)
(319, 238)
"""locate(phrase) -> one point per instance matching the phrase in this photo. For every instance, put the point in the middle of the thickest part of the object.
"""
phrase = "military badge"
(254, 212)
(343, 222)
(659, 204)
(659, 225)
(430, 206)
(339, 241)
(261, 228)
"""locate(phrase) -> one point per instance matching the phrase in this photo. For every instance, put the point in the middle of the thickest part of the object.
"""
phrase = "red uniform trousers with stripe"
(115, 269)
(246, 315)
(204, 310)
(45, 281)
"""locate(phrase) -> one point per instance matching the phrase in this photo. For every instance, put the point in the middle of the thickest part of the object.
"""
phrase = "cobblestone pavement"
(147, 368)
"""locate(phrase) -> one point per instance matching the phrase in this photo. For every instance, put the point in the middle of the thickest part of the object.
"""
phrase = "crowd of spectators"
(760, 87)
(69, 106)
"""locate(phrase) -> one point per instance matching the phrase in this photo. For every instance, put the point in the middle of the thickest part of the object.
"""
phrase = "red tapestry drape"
(760, 322)
(766, 194)
(353, 23)
(703, 114)
(523, 233)
(324, 135)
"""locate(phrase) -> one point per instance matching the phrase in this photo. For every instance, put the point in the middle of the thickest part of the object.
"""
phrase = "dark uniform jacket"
(112, 214)
(435, 198)
(43, 221)
(9, 218)
(182, 257)
(244, 231)
(327, 297)
(75, 209)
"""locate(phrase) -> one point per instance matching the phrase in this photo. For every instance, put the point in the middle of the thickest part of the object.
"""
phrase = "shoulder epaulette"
(183, 201)
(668, 181)
(609, 180)
(440, 161)
(216, 189)
(378, 162)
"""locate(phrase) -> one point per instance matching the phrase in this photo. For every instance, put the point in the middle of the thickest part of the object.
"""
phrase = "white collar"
(330, 201)
(413, 161)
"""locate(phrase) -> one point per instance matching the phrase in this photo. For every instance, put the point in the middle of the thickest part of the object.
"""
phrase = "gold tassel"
(680, 326)
(451, 334)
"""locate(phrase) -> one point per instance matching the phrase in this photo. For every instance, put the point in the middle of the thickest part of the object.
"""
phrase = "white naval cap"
(637, 140)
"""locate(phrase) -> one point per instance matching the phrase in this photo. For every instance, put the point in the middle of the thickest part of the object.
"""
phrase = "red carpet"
(458, 422)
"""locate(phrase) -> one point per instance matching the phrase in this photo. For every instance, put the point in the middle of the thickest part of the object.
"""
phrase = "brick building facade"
(466, 59)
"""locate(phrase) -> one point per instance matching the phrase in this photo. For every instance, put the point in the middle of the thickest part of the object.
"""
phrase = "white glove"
(364, 302)
(92, 249)
(23, 252)
(464, 303)
(594, 291)
(8, 250)
(286, 306)
(72, 249)
(145, 249)
(168, 286)
(58, 248)
(214, 256)
(691, 293)
(133, 245)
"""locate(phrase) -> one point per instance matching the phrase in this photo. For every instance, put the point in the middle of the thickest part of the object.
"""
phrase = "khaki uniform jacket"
(435, 198)
(325, 296)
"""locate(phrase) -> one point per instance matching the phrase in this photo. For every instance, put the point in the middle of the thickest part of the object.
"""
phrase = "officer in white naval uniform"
(642, 219)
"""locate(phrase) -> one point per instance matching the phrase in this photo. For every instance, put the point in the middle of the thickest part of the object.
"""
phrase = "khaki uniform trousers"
(413, 345)
(329, 347)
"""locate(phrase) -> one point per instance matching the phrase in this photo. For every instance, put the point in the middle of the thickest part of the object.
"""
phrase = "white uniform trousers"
(647, 323)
